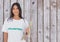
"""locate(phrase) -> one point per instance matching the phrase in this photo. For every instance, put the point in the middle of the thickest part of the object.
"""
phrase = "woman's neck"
(16, 17)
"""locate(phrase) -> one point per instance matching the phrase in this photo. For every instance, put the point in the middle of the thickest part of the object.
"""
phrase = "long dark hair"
(19, 8)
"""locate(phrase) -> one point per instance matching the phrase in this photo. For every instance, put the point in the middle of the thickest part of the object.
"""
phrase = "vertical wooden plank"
(6, 8)
(40, 21)
(58, 20)
(33, 7)
(22, 6)
(13, 1)
(1, 20)
(53, 20)
(46, 20)
(27, 10)
(27, 14)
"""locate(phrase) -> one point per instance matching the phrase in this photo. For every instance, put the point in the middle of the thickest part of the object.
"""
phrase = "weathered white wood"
(22, 4)
(46, 20)
(40, 29)
(33, 7)
(27, 13)
(6, 8)
(58, 25)
(1, 20)
(58, 21)
(40, 21)
(13, 1)
(53, 20)
(27, 10)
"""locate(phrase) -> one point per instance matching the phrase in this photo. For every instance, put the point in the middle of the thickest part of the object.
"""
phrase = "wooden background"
(43, 15)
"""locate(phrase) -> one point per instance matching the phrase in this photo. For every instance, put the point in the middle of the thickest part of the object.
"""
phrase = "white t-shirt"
(15, 29)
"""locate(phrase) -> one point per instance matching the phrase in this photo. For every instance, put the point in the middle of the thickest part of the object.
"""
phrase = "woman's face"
(15, 10)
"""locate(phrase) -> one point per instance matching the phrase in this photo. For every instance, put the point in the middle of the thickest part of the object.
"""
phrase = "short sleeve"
(5, 26)
(26, 24)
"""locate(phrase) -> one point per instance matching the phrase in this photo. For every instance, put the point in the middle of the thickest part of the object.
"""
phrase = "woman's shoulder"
(7, 19)
(25, 20)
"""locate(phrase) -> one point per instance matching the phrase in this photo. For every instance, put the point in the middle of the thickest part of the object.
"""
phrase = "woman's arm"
(27, 31)
(5, 36)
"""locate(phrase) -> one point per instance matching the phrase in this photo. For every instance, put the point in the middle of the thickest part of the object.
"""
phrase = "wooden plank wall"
(42, 15)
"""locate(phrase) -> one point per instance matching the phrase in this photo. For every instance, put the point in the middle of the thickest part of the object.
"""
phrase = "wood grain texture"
(7, 8)
(1, 20)
(13, 1)
(27, 10)
(53, 20)
(40, 21)
(58, 21)
(43, 15)
(33, 7)
(46, 20)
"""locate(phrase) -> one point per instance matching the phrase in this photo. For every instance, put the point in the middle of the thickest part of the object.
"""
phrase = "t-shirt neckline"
(17, 20)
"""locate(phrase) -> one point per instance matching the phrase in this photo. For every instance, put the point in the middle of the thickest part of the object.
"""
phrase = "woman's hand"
(27, 31)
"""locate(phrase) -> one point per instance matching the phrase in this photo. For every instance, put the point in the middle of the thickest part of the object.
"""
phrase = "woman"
(15, 25)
